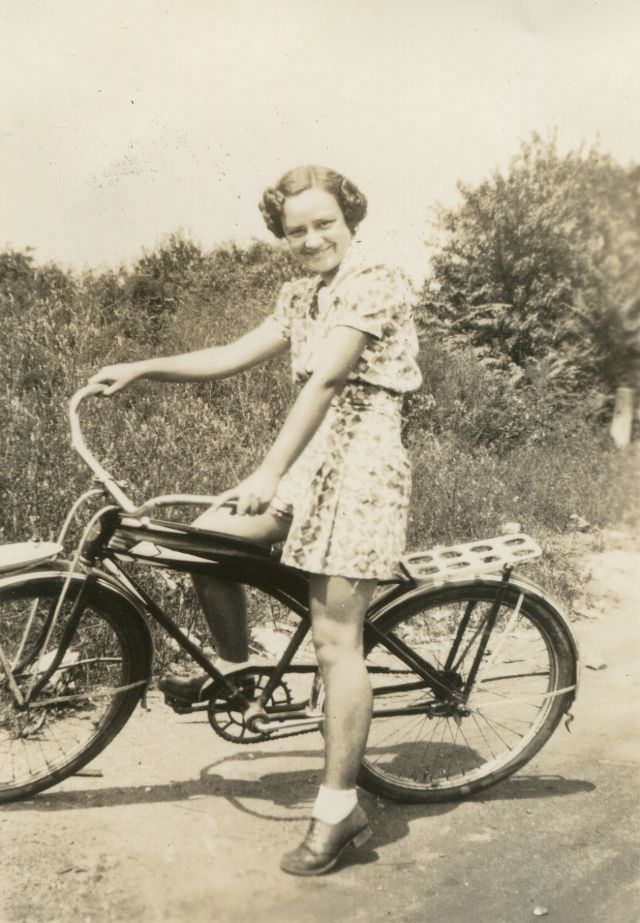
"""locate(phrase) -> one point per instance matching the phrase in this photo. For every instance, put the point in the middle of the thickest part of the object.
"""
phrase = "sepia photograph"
(319, 461)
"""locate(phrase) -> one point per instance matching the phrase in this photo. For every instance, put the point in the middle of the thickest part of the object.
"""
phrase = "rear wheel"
(458, 735)
(88, 698)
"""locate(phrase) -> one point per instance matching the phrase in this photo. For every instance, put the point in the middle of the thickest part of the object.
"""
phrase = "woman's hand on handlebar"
(117, 377)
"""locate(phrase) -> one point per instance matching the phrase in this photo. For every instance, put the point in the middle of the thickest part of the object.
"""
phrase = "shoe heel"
(361, 838)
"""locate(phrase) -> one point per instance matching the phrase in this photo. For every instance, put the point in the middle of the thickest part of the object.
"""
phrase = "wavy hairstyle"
(352, 202)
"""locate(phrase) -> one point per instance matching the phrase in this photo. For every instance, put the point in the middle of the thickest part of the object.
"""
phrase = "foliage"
(482, 405)
(538, 270)
(487, 438)
(62, 327)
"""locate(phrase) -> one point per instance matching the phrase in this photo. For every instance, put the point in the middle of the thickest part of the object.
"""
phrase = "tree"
(538, 268)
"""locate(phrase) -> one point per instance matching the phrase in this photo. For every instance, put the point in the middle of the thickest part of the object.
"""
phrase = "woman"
(335, 483)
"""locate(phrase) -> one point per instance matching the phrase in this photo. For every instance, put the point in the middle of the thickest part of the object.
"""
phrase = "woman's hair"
(352, 202)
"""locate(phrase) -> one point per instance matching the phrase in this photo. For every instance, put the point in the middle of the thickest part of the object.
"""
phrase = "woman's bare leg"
(223, 601)
(338, 607)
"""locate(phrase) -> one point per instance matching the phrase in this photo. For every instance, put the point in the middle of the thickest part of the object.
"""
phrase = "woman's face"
(316, 231)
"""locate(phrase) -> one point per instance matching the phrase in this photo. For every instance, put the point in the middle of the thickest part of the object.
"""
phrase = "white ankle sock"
(334, 804)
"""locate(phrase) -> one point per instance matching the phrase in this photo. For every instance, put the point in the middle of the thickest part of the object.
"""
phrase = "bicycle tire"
(91, 695)
(525, 683)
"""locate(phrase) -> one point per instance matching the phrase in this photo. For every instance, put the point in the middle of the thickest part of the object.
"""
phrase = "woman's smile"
(316, 231)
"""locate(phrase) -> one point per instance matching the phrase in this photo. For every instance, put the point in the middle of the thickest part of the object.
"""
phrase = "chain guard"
(230, 723)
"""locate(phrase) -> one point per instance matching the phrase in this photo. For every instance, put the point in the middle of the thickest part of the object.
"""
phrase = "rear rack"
(441, 564)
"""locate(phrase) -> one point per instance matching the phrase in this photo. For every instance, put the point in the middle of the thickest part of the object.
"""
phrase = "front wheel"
(484, 712)
(87, 699)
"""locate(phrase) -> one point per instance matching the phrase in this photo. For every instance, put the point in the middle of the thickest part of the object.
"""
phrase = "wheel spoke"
(457, 746)
(64, 724)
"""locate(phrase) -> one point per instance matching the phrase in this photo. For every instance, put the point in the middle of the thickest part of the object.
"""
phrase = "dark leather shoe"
(186, 690)
(181, 694)
(324, 844)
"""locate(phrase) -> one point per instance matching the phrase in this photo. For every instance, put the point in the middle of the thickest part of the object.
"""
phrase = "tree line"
(529, 318)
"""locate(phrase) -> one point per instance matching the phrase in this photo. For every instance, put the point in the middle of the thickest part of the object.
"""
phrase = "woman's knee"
(338, 607)
(334, 648)
(263, 529)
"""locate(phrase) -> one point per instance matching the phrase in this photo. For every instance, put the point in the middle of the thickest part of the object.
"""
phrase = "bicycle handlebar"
(105, 478)
(79, 444)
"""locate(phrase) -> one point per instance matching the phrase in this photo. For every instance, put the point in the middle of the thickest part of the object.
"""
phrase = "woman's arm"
(254, 347)
(340, 351)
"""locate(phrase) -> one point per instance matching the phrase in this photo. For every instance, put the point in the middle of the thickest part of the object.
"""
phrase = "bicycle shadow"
(292, 791)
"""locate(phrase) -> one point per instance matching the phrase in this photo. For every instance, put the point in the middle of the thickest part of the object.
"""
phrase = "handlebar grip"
(95, 388)
(86, 391)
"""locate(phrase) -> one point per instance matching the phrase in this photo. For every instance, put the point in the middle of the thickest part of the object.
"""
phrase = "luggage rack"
(443, 563)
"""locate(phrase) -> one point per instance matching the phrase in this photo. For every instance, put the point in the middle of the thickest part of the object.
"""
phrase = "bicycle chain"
(254, 737)
(265, 737)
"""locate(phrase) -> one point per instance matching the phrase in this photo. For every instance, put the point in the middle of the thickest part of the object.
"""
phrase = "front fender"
(130, 611)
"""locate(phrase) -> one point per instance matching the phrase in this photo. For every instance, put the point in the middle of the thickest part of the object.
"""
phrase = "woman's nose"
(313, 240)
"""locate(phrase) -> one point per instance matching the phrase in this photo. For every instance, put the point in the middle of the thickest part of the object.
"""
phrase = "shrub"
(487, 444)
(539, 266)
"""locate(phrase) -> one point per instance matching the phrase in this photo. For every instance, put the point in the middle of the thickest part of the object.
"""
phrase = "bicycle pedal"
(179, 706)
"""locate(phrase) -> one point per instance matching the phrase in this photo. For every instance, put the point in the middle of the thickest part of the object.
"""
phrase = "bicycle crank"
(231, 722)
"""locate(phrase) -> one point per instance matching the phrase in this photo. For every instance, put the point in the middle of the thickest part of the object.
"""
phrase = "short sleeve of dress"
(281, 315)
(371, 301)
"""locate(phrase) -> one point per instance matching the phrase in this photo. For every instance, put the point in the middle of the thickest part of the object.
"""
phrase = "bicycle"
(472, 667)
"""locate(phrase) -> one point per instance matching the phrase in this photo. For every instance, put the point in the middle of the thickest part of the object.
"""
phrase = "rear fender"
(518, 584)
(553, 607)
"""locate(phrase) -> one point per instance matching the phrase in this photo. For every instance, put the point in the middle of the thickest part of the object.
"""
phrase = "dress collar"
(354, 261)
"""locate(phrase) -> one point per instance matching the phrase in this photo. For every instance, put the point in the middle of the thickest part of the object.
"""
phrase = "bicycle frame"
(122, 538)
(472, 668)
(186, 549)
(125, 533)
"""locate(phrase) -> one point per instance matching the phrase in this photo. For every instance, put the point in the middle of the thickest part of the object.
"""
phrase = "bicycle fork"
(41, 678)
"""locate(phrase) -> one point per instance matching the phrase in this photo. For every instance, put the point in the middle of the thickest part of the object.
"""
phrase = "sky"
(123, 122)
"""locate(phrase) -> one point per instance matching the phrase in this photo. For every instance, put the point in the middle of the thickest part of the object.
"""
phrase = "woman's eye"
(327, 223)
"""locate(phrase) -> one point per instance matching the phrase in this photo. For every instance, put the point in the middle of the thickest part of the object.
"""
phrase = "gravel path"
(173, 824)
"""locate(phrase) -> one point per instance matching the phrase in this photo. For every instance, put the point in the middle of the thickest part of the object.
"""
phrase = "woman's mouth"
(313, 253)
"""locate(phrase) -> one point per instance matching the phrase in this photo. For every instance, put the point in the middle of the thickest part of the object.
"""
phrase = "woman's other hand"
(253, 495)
(117, 377)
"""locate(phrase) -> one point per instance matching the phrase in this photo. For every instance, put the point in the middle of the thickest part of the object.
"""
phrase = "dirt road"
(180, 826)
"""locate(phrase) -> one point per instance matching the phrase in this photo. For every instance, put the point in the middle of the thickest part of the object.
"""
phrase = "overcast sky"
(124, 121)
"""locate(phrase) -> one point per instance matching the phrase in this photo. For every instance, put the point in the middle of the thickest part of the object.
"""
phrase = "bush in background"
(58, 328)
(502, 429)
(537, 270)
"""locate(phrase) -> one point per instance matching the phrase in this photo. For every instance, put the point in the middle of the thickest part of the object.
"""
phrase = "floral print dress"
(348, 492)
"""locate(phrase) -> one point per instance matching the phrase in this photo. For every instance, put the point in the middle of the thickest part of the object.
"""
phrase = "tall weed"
(485, 450)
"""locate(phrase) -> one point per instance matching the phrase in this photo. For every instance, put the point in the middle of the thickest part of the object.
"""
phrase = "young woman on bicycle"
(335, 483)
